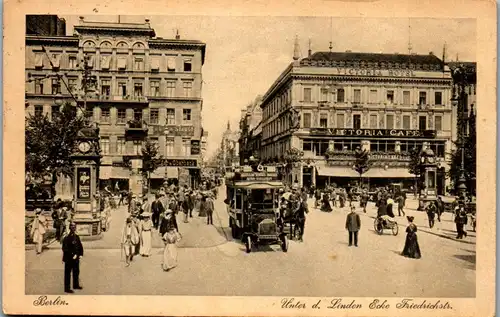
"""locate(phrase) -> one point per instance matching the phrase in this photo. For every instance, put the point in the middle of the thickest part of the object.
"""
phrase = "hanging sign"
(195, 147)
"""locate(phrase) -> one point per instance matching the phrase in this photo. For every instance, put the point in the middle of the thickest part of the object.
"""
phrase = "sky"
(245, 55)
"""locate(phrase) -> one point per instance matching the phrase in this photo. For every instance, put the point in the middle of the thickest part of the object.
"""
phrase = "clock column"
(429, 166)
(86, 161)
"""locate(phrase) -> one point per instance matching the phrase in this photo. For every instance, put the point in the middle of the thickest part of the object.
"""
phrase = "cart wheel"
(379, 227)
(284, 243)
(395, 229)
(248, 244)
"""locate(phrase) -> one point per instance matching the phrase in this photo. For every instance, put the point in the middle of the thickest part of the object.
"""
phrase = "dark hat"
(410, 218)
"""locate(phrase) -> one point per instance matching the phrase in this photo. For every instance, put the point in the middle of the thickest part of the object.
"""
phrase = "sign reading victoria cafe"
(382, 133)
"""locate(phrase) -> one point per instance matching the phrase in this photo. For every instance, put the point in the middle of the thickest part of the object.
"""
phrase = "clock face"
(431, 160)
(84, 147)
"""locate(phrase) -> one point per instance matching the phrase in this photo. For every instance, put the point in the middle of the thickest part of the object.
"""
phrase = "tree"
(150, 160)
(362, 163)
(469, 163)
(50, 143)
(415, 166)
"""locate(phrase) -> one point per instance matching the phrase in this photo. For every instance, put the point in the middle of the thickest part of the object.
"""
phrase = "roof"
(115, 27)
(429, 59)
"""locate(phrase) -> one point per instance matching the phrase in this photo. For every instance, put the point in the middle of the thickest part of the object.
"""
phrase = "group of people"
(293, 209)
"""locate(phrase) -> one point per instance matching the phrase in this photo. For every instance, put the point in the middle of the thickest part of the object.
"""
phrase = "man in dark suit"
(157, 209)
(72, 252)
(353, 224)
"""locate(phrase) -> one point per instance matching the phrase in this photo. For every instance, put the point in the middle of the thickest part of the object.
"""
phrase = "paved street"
(210, 263)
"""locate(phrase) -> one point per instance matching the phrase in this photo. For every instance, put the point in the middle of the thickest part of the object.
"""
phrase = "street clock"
(84, 147)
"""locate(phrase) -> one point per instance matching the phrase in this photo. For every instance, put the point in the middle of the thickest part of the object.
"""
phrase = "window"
(373, 121)
(137, 89)
(106, 87)
(137, 147)
(139, 63)
(324, 94)
(169, 147)
(373, 96)
(422, 122)
(356, 119)
(187, 87)
(340, 120)
(153, 116)
(39, 60)
(422, 98)
(121, 116)
(54, 111)
(105, 61)
(155, 63)
(104, 142)
(323, 120)
(340, 95)
(55, 60)
(357, 95)
(171, 64)
(390, 96)
(38, 87)
(438, 123)
(438, 98)
(307, 120)
(406, 97)
(72, 62)
(186, 147)
(105, 115)
(120, 145)
(406, 122)
(56, 86)
(307, 94)
(155, 142)
(155, 88)
(389, 121)
(170, 88)
(138, 114)
(122, 89)
(72, 84)
(170, 116)
(38, 110)
(186, 114)
(187, 65)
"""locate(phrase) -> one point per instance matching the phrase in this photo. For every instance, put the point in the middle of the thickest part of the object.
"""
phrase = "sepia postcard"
(237, 158)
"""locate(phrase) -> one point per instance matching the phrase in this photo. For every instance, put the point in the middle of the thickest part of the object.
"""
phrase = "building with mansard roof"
(148, 87)
(326, 105)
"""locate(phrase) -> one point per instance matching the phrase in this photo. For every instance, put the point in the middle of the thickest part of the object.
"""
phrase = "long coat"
(353, 222)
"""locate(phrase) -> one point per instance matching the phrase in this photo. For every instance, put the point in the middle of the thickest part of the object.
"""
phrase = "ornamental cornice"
(52, 40)
(398, 80)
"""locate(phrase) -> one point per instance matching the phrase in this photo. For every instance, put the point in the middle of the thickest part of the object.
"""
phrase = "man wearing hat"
(38, 229)
(209, 208)
(72, 252)
(157, 209)
(353, 224)
(146, 225)
(59, 216)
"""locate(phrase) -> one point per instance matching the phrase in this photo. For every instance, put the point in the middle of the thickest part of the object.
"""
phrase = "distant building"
(251, 117)
(147, 88)
(230, 148)
(325, 106)
(45, 25)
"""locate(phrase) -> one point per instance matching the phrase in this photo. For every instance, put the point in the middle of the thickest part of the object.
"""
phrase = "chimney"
(296, 50)
(431, 53)
(177, 36)
(81, 19)
(147, 21)
(309, 51)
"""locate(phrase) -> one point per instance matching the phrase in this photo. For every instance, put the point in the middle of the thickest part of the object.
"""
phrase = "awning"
(122, 63)
(155, 63)
(171, 63)
(172, 172)
(388, 173)
(120, 172)
(158, 173)
(105, 172)
(336, 171)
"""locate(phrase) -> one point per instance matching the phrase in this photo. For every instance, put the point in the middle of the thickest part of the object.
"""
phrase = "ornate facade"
(147, 88)
(325, 106)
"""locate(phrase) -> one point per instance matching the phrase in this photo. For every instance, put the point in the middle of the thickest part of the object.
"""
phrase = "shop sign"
(181, 163)
(195, 147)
(375, 72)
(179, 131)
(83, 183)
(382, 133)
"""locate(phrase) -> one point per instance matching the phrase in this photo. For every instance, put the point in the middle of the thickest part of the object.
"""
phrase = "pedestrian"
(411, 248)
(317, 196)
(145, 229)
(170, 237)
(390, 204)
(209, 209)
(128, 238)
(353, 224)
(38, 229)
(59, 216)
(156, 210)
(185, 207)
(342, 197)
(190, 201)
(440, 207)
(400, 201)
(363, 202)
(431, 213)
(326, 203)
(72, 253)
(461, 220)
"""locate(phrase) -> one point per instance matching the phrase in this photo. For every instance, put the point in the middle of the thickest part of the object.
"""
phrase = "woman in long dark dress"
(411, 249)
(326, 202)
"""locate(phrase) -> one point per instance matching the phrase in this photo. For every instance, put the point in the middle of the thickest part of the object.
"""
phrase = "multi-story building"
(251, 117)
(147, 88)
(45, 25)
(327, 105)
(230, 148)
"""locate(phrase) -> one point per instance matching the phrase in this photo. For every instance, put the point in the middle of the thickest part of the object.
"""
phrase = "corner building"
(328, 104)
(147, 88)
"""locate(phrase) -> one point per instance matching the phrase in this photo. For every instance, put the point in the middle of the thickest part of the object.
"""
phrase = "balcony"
(348, 158)
(136, 128)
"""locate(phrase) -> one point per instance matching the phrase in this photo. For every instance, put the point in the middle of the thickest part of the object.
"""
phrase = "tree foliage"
(362, 163)
(49, 143)
(415, 166)
(150, 159)
(469, 163)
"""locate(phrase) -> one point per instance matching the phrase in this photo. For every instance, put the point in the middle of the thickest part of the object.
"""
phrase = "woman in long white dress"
(38, 229)
(146, 226)
(170, 238)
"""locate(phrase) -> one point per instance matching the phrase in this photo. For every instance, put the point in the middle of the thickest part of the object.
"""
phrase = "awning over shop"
(120, 172)
(159, 173)
(388, 173)
(336, 171)
(172, 172)
(105, 172)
